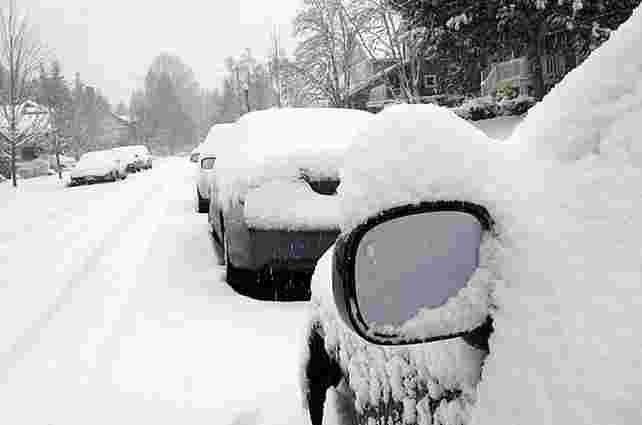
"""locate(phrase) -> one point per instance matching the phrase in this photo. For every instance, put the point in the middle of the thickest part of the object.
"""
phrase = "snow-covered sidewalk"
(114, 310)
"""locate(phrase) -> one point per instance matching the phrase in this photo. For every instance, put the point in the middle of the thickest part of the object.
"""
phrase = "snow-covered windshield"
(95, 158)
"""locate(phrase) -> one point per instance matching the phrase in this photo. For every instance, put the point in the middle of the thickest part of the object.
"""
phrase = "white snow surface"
(114, 310)
(279, 143)
(266, 208)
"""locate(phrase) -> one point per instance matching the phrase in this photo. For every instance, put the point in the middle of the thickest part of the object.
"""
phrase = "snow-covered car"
(477, 282)
(98, 166)
(274, 206)
(213, 146)
(137, 157)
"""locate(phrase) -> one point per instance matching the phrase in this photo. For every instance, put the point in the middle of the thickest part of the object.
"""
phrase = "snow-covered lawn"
(114, 310)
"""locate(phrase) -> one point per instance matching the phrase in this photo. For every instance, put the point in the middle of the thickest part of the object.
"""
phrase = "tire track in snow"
(30, 337)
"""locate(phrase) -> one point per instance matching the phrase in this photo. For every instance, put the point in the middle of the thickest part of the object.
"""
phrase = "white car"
(98, 166)
(477, 282)
(274, 207)
(219, 136)
(137, 157)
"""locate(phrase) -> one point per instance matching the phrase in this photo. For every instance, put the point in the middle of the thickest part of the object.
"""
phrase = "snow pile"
(303, 210)
(415, 153)
(593, 110)
(280, 143)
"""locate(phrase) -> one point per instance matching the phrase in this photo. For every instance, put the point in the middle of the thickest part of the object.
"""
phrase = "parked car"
(274, 207)
(137, 157)
(98, 166)
(484, 282)
(214, 144)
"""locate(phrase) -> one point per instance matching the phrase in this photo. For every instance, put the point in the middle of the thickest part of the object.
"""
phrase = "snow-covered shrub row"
(279, 143)
(483, 108)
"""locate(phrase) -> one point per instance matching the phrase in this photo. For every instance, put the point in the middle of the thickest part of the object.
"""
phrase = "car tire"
(203, 204)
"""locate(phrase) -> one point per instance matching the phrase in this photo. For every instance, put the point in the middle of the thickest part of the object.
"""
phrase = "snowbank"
(279, 143)
(415, 153)
(592, 109)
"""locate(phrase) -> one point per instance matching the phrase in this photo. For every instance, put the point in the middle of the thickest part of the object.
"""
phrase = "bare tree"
(382, 33)
(324, 56)
(20, 56)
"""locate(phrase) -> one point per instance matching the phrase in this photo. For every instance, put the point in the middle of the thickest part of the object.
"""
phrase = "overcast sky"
(112, 43)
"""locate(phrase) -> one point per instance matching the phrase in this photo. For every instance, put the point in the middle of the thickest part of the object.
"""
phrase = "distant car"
(214, 144)
(137, 157)
(273, 207)
(98, 166)
(477, 282)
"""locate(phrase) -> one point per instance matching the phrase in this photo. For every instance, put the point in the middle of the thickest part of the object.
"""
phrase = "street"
(114, 309)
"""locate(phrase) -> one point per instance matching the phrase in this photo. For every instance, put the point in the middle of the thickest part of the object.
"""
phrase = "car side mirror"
(412, 274)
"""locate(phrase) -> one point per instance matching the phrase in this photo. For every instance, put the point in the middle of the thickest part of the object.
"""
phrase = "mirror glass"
(208, 163)
(413, 262)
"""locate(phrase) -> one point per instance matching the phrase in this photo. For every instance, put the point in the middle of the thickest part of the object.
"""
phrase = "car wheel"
(203, 204)
(329, 398)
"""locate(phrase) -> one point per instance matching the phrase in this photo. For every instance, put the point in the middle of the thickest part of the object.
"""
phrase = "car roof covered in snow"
(218, 139)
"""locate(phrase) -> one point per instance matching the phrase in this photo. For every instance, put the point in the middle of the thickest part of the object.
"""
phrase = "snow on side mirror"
(412, 274)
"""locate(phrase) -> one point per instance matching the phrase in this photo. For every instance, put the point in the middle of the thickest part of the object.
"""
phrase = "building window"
(430, 81)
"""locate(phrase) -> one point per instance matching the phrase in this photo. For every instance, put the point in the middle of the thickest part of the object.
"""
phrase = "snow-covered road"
(114, 309)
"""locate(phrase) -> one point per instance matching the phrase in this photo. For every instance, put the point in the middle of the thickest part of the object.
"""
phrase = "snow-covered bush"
(480, 108)
(483, 108)
(516, 106)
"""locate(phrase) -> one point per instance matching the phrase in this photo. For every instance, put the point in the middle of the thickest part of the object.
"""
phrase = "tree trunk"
(58, 157)
(13, 164)
(535, 53)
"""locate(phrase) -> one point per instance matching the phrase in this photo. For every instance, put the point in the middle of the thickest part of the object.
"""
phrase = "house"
(32, 123)
(517, 73)
(113, 130)
(375, 82)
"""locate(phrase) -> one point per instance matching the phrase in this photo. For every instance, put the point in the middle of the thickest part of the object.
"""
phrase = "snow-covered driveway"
(113, 310)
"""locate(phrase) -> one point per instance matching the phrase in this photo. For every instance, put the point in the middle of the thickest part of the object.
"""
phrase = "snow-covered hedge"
(483, 108)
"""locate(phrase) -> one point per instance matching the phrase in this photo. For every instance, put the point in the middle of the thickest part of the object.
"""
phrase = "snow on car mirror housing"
(462, 313)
